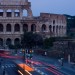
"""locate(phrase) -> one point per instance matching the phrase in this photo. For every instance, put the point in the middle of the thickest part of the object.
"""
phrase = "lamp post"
(24, 58)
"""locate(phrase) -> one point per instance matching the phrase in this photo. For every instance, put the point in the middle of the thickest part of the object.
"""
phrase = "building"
(13, 23)
(65, 49)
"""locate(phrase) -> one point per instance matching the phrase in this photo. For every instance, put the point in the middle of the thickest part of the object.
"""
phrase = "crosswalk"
(8, 65)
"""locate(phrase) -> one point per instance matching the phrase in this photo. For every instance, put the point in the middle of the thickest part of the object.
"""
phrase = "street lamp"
(24, 57)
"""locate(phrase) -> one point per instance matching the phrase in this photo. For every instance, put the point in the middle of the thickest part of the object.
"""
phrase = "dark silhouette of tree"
(30, 40)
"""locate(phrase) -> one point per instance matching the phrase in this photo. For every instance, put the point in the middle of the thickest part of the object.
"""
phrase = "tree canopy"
(30, 40)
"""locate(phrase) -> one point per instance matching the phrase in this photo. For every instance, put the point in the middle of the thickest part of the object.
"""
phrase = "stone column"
(64, 30)
(29, 12)
(61, 31)
(12, 28)
(4, 42)
(21, 28)
(4, 28)
(4, 14)
(21, 13)
(55, 31)
(13, 41)
(58, 31)
(12, 13)
(29, 27)
(52, 30)
(47, 29)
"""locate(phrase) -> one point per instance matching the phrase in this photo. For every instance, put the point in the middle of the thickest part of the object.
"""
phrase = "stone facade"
(13, 23)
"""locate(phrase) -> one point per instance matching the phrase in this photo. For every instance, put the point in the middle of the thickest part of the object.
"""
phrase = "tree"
(48, 42)
(30, 40)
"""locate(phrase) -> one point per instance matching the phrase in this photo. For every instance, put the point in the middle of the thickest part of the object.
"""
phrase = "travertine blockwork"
(13, 23)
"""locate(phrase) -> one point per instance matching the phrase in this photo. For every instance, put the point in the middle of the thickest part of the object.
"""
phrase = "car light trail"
(28, 72)
(20, 72)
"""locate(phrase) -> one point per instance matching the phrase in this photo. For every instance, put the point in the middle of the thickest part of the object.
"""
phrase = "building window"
(50, 27)
(17, 13)
(1, 12)
(17, 28)
(8, 41)
(9, 13)
(43, 27)
(8, 28)
(33, 27)
(57, 29)
(24, 12)
(17, 41)
(25, 27)
(1, 28)
(1, 42)
(53, 21)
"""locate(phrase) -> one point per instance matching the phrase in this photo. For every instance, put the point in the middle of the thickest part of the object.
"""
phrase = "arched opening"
(17, 41)
(59, 27)
(17, 13)
(9, 13)
(53, 29)
(17, 28)
(50, 27)
(1, 12)
(43, 27)
(8, 28)
(8, 41)
(24, 12)
(25, 27)
(1, 42)
(1, 28)
(53, 21)
(33, 27)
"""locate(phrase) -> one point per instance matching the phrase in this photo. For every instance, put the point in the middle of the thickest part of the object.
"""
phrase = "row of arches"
(9, 41)
(33, 27)
(16, 12)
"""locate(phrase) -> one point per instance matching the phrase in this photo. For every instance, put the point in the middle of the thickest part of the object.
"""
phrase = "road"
(9, 67)
(41, 65)
(44, 68)
(50, 66)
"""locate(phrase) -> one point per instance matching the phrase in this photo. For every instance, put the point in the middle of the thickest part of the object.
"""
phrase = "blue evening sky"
(53, 6)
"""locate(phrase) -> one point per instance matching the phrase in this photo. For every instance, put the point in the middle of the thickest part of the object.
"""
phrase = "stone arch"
(25, 27)
(8, 27)
(17, 13)
(24, 12)
(17, 41)
(1, 12)
(8, 41)
(9, 13)
(17, 28)
(43, 28)
(33, 27)
(1, 27)
(1, 42)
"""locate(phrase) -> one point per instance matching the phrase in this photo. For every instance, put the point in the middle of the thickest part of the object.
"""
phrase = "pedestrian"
(4, 72)
(0, 64)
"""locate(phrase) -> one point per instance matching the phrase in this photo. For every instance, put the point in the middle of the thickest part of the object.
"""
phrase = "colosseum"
(13, 22)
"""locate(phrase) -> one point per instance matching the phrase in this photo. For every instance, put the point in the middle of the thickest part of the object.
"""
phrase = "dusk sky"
(53, 6)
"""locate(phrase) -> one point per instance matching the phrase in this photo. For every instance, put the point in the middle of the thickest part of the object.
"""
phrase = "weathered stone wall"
(48, 25)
